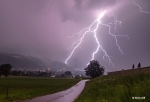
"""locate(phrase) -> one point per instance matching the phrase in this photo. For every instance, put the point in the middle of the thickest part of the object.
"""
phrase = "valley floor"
(22, 88)
(68, 95)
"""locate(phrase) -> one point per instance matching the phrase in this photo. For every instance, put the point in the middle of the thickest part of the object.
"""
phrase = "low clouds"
(94, 4)
(35, 28)
(77, 10)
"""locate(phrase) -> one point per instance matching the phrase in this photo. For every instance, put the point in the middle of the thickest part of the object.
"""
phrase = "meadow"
(117, 89)
(21, 88)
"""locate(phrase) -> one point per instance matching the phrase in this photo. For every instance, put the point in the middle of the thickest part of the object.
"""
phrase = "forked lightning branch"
(93, 29)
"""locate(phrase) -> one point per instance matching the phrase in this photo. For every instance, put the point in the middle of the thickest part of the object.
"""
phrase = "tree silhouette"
(133, 66)
(0, 71)
(5, 69)
(94, 69)
(139, 65)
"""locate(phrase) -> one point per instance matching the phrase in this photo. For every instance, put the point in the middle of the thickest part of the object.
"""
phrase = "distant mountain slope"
(56, 65)
(21, 61)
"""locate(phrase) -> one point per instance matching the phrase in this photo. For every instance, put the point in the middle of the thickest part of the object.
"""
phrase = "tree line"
(94, 69)
(37, 73)
(5, 69)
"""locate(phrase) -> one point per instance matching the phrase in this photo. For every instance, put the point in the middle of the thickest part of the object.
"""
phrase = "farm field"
(117, 89)
(21, 88)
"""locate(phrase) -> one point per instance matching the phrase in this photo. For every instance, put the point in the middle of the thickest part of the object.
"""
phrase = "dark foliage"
(139, 65)
(94, 69)
(31, 73)
(67, 74)
(133, 66)
(5, 69)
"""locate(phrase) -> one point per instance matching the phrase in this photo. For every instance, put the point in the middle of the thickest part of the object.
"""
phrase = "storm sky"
(40, 28)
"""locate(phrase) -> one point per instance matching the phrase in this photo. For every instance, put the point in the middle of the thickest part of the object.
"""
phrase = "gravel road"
(68, 95)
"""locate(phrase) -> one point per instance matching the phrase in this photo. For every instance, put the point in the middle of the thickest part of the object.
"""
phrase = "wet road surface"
(68, 95)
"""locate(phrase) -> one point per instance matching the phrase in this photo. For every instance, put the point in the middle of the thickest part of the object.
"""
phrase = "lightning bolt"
(79, 33)
(140, 8)
(94, 31)
(79, 41)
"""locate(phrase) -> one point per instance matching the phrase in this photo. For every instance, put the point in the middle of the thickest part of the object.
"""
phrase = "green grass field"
(117, 89)
(21, 88)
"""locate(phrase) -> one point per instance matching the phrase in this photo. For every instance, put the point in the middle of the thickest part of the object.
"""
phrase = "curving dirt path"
(68, 95)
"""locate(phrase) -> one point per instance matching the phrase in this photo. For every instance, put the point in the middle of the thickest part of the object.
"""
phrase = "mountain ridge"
(19, 61)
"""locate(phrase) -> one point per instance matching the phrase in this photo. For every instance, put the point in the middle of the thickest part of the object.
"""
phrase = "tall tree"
(5, 69)
(94, 69)
(133, 66)
(0, 71)
(139, 65)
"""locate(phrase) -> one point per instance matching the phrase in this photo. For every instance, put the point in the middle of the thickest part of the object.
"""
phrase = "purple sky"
(40, 28)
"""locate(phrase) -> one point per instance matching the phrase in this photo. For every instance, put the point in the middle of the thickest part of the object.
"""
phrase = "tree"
(5, 69)
(94, 69)
(139, 65)
(68, 74)
(0, 71)
(133, 66)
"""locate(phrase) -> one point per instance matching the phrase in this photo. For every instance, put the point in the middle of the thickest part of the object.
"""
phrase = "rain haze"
(40, 28)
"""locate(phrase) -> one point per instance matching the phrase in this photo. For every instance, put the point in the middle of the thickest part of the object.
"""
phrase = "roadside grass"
(116, 89)
(21, 88)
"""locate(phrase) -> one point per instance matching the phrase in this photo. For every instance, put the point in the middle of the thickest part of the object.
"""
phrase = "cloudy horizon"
(40, 28)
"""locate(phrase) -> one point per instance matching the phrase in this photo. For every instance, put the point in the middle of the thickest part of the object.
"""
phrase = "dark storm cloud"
(40, 28)
(24, 30)
(94, 4)
(101, 3)
(81, 9)
(78, 4)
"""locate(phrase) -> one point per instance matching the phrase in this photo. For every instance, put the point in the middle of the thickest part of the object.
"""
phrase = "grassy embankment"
(117, 89)
(21, 88)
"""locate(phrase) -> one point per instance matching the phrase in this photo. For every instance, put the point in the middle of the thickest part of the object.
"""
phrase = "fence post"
(7, 91)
